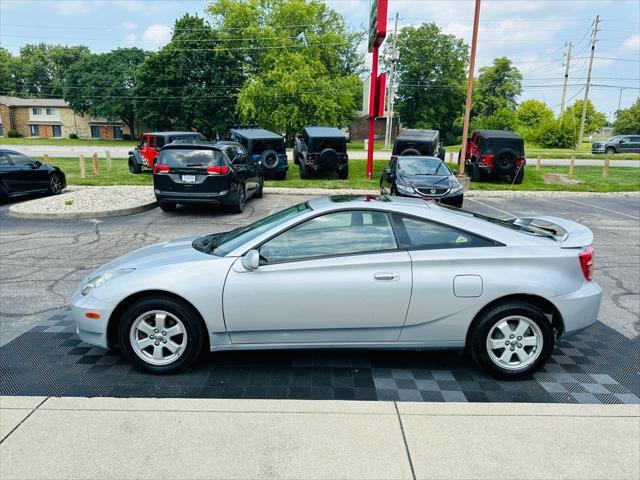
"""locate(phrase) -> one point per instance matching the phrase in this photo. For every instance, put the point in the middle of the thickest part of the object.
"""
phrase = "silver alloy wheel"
(158, 337)
(514, 343)
(55, 184)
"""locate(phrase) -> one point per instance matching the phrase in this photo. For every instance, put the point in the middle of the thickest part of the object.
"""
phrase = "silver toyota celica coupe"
(350, 272)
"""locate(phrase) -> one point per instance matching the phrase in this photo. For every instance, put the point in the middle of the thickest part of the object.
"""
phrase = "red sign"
(377, 23)
(381, 90)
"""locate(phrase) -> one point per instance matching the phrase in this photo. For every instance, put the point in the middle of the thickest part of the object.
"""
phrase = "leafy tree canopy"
(531, 113)
(503, 119)
(497, 86)
(628, 120)
(594, 119)
(6, 80)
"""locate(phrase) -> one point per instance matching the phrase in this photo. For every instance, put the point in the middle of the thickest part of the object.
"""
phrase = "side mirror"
(251, 260)
(622, 140)
(387, 170)
(455, 172)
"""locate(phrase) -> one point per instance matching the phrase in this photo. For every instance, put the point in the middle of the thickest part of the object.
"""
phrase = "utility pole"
(619, 100)
(467, 109)
(566, 76)
(390, 92)
(586, 90)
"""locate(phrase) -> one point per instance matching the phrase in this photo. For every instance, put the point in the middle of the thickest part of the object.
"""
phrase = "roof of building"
(418, 134)
(256, 133)
(32, 102)
(497, 134)
(325, 132)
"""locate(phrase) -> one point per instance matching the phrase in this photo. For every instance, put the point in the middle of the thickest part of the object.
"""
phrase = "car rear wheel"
(161, 335)
(512, 340)
(303, 170)
(475, 172)
(167, 206)
(343, 173)
(55, 184)
(280, 175)
(610, 151)
(260, 190)
(504, 162)
(134, 167)
(517, 180)
(239, 200)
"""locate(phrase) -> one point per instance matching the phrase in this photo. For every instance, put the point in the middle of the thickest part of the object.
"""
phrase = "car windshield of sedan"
(229, 241)
(422, 166)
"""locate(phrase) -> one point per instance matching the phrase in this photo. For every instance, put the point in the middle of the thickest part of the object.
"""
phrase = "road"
(123, 152)
(42, 261)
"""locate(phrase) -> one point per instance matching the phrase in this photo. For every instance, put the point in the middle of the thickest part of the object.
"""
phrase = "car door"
(29, 176)
(634, 144)
(335, 278)
(388, 176)
(6, 175)
(244, 170)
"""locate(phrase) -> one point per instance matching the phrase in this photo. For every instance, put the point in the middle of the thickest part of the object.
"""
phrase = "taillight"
(586, 263)
(161, 168)
(217, 170)
(520, 160)
(486, 159)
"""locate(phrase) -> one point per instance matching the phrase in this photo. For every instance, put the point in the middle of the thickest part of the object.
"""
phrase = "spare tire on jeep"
(328, 159)
(269, 159)
(505, 161)
(410, 151)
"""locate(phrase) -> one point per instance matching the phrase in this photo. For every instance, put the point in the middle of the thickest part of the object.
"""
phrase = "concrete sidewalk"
(45, 437)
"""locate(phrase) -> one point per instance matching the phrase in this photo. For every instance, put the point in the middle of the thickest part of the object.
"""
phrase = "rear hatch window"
(189, 158)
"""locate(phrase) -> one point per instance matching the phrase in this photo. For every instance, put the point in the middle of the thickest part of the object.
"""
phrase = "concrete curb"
(81, 215)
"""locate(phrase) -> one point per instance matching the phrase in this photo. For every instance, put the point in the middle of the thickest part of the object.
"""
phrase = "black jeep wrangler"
(495, 153)
(321, 148)
(265, 147)
(419, 142)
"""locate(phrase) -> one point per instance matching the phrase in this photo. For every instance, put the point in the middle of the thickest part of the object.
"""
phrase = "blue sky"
(530, 32)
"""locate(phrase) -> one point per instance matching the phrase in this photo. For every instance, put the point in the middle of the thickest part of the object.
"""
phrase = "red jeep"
(148, 149)
(495, 153)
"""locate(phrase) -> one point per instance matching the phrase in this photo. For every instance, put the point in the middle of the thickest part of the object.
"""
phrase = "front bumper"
(91, 331)
(597, 149)
(579, 309)
(453, 199)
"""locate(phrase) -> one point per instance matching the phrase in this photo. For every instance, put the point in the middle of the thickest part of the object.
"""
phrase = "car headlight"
(101, 279)
(456, 189)
(404, 188)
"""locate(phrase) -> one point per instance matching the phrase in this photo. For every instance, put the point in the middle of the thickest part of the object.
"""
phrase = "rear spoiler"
(569, 234)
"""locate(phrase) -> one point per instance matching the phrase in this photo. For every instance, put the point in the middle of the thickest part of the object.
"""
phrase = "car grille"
(432, 192)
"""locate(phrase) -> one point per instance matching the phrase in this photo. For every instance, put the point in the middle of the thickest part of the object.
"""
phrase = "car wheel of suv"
(260, 190)
(504, 162)
(511, 340)
(239, 200)
(161, 335)
(133, 166)
(168, 206)
(610, 151)
(55, 184)
(303, 170)
(410, 151)
(517, 180)
(280, 175)
(269, 159)
(343, 173)
(475, 172)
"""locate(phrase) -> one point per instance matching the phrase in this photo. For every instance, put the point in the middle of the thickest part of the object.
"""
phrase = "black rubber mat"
(598, 365)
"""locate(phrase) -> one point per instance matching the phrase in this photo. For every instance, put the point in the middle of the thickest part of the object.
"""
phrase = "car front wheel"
(161, 335)
(512, 340)
(55, 184)
(610, 151)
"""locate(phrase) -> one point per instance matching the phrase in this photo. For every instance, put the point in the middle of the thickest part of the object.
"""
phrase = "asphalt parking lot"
(42, 261)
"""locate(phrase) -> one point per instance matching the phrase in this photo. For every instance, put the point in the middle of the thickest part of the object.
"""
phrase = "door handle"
(387, 277)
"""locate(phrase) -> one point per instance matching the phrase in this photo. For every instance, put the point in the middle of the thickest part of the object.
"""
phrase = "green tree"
(497, 86)
(190, 83)
(531, 113)
(556, 133)
(103, 85)
(503, 119)
(628, 120)
(594, 119)
(430, 78)
(6, 79)
(40, 69)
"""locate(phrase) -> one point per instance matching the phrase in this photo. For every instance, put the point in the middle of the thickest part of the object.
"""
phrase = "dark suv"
(618, 144)
(219, 173)
(495, 153)
(146, 152)
(321, 148)
(265, 147)
(413, 141)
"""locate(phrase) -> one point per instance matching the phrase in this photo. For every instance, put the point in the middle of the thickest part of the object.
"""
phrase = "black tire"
(343, 173)
(280, 175)
(168, 206)
(475, 172)
(269, 159)
(482, 328)
(328, 159)
(134, 167)
(610, 151)
(193, 325)
(240, 200)
(55, 184)
(517, 180)
(303, 171)
(260, 190)
(504, 161)
(410, 151)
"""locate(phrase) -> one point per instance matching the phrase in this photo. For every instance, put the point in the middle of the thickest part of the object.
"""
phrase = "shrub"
(557, 133)
(73, 136)
(13, 134)
(126, 136)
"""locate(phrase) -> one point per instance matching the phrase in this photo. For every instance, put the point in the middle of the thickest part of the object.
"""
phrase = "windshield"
(177, 158)
(422, 166)
(229, 241)
(614, 138)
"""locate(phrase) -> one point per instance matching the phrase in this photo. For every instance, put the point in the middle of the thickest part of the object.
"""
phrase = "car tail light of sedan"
(161, 168)
(218, 170)
(586, 263)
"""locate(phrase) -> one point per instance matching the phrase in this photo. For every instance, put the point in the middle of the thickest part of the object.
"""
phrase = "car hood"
(426, 181)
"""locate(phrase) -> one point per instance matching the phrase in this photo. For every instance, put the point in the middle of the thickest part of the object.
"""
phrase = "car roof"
(498, 134)
(256, 133)
(327, 132)
(417, 134)
(4, 150)
(165, 134)
(417, 157)
(198, 145)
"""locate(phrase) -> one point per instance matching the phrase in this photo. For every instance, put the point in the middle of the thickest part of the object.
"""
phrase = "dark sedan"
(421, 177)
(20, 175)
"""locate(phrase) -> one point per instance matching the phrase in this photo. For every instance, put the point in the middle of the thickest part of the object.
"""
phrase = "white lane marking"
(493, 208)
(601, 208)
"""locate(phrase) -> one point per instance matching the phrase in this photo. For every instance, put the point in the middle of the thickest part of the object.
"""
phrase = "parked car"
(350, 272)
(419, 142)
(321, 148)
(147, 151)
(618, 144)
(21, 175)
(495, 153)
(219, 173)
(265, 147)
(422, 177)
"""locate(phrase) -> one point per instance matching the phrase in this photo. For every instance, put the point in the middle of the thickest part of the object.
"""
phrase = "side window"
(20, 160)
(4, 160)
(152, 142)
(160, 142)
(339, 233)
(144, 142)
(422, 234)
(240, 155)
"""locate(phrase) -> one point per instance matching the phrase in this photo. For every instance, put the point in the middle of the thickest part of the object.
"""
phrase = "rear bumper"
(579, 309)
(215, 198)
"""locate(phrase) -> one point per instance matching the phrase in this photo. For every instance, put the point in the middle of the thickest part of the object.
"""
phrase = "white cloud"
(127, 25)
(73, 7)
(156, 36)
(632, 43)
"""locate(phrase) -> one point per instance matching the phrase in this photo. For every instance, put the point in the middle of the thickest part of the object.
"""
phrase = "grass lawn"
(620, 178)
(534, 151)
(66, 142)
